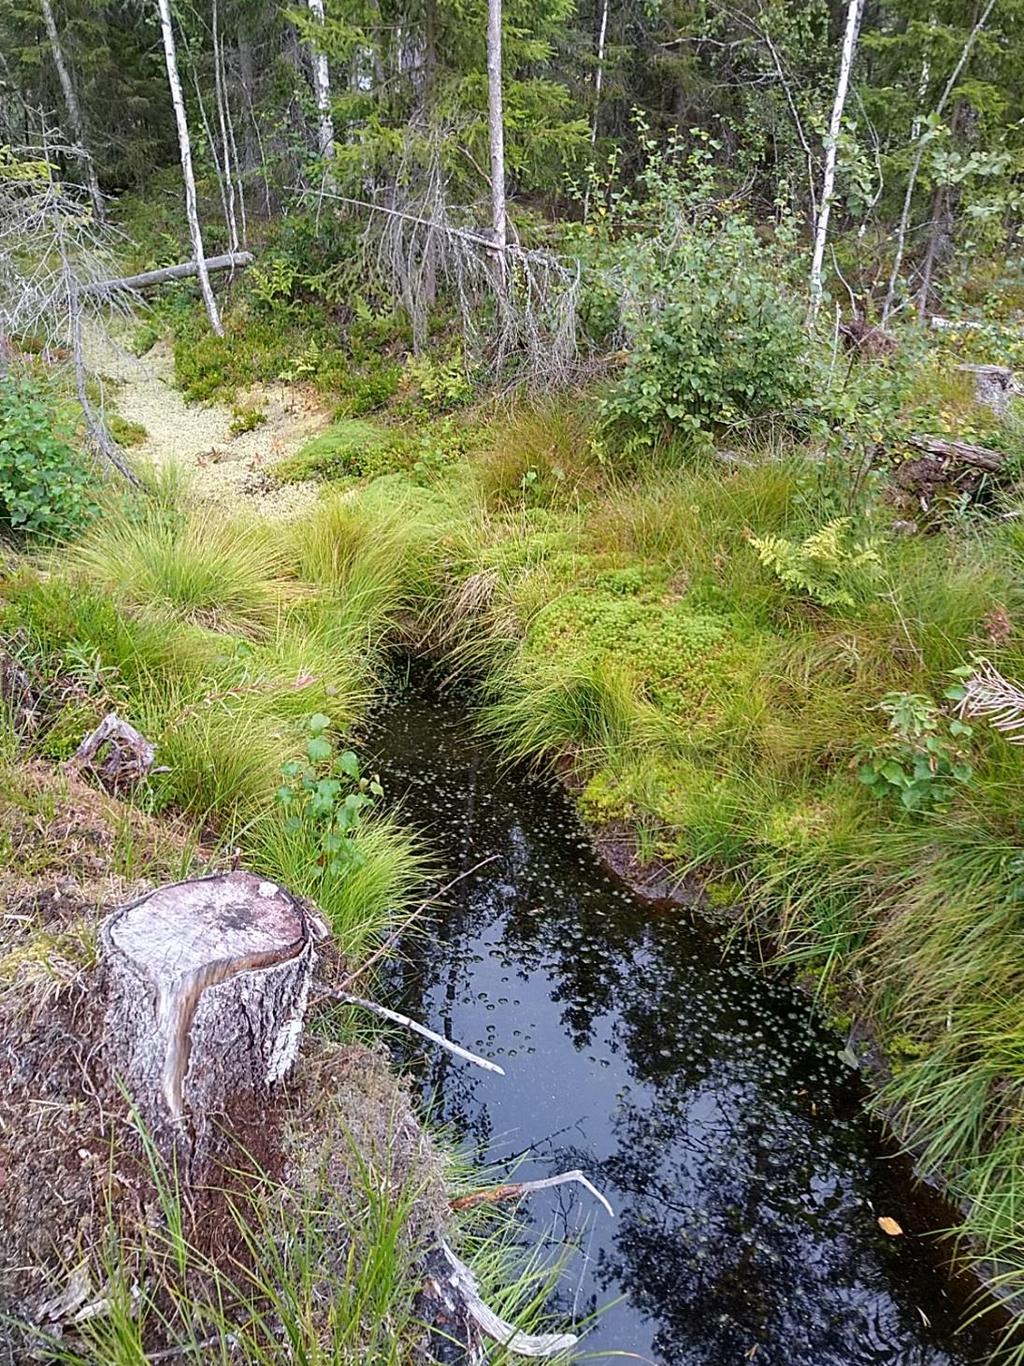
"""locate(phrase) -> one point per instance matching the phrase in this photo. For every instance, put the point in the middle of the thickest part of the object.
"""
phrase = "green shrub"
(923, 759)
(714, 340)
(44, 480)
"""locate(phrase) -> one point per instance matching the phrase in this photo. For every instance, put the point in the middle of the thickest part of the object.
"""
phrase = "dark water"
(697, 1090)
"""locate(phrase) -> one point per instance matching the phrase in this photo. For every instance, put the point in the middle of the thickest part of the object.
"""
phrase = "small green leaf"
(318, 749)
(348, 763)
(319, 723)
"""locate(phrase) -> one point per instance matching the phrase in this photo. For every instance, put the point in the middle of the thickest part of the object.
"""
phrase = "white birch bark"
(74, 109)
(322, 89)
(499, 210)
(915, 165)
(599, 73)
(854, 12)
(220, 97)
(598, 83)
(187, 172)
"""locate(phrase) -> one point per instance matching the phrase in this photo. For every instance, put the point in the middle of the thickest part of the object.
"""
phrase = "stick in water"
(417, 1028)
(495, 1327)
(514, 1189)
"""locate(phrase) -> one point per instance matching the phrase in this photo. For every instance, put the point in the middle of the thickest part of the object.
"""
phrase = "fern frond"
(823, 565)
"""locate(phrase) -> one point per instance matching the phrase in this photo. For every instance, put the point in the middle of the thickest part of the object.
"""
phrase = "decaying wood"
(989, 696)
(458, 1319)
(116, 752)
(960, 452)
(17, 696)
(232, 260)
(207, 984)
(994, 385)
(417, 1028)
(513, 1190)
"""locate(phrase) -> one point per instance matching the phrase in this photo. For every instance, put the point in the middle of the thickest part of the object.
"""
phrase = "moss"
(723, 892)
(126, 433)
(348, 447)
(605, 799)
(684, 661)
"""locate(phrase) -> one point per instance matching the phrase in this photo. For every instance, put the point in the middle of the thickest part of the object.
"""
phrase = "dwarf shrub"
(44, 480)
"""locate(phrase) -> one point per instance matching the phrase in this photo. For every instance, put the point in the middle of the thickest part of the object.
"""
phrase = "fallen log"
(207, 984)
(235, 260)
(960, 452)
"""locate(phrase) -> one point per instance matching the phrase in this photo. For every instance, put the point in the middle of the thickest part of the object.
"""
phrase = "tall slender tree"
(915, 165)
(74, 109)
(496, 118)
(187, 172)
(322, 89)
(854, 13)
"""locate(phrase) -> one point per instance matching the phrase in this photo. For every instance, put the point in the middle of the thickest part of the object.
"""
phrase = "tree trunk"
(188, 175)
(854, 11)
(599, 72)
(322, 89)
(74, 110)
(228, 151)
(232, 261)
(207, 983)
(499, 213)
(915, 165)
(938, 237)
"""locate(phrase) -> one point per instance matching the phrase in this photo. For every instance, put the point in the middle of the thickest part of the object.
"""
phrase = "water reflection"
(695, 1089)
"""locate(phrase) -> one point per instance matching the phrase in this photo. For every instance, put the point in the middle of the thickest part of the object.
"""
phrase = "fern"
(828, 566)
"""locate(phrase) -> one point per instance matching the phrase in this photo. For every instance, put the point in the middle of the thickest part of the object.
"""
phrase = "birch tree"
(599, 72)
(188, 174)
(322, 88)
(915, 165)
(74, 110)
(854, 13)
(499, 211)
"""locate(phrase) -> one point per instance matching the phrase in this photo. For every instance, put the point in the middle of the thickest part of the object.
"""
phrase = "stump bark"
(207, 983)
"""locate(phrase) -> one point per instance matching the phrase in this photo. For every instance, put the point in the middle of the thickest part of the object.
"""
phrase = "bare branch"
(417, 1028)
(998, 700)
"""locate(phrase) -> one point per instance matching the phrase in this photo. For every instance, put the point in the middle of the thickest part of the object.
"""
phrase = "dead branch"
(998, 700)
(232, 260)
(128, 759)
(462, 1283)
(407, 1023)
(55, 258)
(513, 1190)
(960, 452)
(420, 241)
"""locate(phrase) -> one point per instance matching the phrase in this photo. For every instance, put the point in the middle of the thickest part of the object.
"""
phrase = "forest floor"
(222, 465)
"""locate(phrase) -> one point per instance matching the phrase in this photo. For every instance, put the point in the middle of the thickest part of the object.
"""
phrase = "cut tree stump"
(207, 984)
(994, 385)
